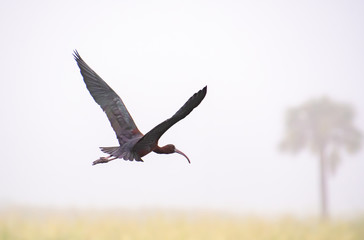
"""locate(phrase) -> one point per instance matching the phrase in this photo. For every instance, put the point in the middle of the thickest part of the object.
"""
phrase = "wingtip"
(204, 90)
(76, 55)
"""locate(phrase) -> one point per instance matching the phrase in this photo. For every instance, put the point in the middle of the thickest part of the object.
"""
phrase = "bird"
(133, 145)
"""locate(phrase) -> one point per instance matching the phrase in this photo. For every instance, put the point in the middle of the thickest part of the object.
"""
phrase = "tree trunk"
(323, 184)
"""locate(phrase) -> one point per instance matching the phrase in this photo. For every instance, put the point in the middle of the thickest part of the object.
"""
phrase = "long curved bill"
(178, 151)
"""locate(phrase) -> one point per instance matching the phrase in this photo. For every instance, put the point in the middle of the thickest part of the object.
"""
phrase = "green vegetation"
(25, 225)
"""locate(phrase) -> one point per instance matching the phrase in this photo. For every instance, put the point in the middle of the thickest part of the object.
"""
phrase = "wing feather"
(152, 137)
(119, 117)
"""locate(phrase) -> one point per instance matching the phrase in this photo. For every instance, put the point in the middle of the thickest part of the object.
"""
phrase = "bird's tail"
(114, 151)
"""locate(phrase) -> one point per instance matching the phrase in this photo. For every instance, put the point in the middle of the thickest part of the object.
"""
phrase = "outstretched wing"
(153, 135)
(109, 101)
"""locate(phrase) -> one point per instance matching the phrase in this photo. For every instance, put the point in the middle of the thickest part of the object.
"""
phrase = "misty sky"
(258, 58)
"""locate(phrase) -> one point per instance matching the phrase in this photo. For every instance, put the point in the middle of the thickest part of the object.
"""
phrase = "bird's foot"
(100, 160)
(103, 160)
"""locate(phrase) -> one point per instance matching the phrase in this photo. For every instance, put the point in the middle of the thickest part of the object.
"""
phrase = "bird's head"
(170, 148)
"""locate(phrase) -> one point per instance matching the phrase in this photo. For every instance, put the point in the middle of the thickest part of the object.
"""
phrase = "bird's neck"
(164, 149)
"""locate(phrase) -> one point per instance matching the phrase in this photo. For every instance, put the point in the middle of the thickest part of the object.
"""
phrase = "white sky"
(257, 57)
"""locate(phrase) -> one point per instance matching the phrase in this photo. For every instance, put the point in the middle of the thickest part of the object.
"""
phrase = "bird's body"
(133, 144)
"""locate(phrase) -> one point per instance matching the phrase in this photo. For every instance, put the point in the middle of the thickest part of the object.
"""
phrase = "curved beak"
(178, 151)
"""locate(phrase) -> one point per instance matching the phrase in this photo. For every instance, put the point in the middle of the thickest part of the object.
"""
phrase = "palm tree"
(323, 126)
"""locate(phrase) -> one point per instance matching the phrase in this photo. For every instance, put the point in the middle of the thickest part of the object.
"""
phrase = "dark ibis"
(133, 144)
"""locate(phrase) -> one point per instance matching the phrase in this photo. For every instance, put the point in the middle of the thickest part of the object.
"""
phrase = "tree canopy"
(321, 125)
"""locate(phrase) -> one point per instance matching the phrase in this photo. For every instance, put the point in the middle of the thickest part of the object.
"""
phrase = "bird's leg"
(104, 160)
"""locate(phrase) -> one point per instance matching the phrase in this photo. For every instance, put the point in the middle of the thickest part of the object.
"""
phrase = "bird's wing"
(109, 101)
(153, 135)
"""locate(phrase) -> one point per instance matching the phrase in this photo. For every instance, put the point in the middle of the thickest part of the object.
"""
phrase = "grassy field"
(76, 225)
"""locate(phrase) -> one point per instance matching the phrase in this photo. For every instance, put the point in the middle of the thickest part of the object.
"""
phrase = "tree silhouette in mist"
(324, 126)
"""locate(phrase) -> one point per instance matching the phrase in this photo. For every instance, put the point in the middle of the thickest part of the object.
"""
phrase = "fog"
(258, 59)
